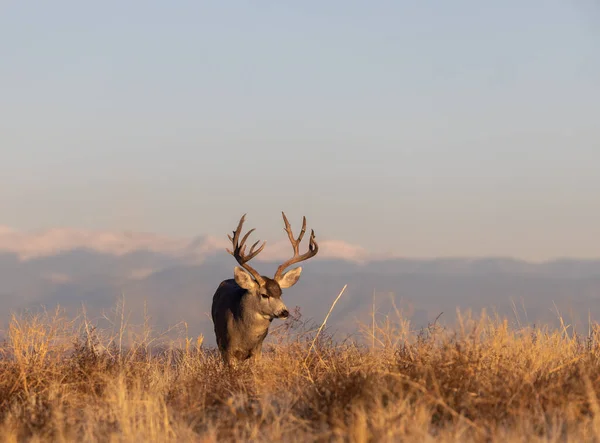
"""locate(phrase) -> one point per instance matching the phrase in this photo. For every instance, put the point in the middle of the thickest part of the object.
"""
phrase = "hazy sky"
(464, 128)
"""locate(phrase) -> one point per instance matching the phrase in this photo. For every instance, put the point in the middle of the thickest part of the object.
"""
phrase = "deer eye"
(264, 295)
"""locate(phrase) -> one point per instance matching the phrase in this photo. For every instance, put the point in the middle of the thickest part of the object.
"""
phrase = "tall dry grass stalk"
(66, 380)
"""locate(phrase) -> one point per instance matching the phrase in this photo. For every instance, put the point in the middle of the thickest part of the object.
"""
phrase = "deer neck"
(251, 315)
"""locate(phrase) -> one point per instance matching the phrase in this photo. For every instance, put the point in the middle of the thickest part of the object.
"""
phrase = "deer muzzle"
(283, 314)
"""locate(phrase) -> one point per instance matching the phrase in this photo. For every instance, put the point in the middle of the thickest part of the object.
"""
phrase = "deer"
(244, 307)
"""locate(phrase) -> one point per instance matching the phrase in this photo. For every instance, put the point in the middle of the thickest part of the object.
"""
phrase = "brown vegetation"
(66, 381)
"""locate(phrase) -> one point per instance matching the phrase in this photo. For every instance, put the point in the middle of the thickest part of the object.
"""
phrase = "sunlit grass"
(66, 380)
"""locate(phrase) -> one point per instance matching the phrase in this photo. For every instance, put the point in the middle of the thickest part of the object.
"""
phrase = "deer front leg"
(256, 353)
(229, 358)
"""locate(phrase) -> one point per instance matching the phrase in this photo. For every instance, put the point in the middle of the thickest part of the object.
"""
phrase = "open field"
(63, 380)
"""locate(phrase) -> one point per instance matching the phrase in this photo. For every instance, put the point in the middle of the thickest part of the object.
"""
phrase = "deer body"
(240, 327)
(244, 307)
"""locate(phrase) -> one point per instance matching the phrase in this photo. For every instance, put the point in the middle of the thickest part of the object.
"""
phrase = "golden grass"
(64, 380)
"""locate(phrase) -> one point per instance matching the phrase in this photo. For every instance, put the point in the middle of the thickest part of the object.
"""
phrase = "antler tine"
(245, 237)
(303, 230)
(313, 247)
(239, 250)
(288, 229)
(236, 233)
(253, 253)
(294, 241)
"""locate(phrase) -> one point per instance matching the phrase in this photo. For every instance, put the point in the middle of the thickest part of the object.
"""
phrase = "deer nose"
(284, 314)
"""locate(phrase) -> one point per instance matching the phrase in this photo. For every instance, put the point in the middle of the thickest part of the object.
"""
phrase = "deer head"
(266, 292)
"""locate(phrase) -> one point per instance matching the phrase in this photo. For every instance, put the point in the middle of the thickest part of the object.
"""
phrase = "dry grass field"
(64, 380)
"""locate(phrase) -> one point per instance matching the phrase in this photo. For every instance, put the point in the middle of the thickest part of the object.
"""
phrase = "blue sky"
(464, 128)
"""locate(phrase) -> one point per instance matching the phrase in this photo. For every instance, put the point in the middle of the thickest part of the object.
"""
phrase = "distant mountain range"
(176, 278)
(34, 244)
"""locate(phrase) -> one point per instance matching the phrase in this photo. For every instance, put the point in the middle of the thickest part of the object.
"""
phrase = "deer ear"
(290, 278)
(243, 279)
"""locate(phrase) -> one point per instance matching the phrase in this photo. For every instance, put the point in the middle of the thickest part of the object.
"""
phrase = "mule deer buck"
(244, 307)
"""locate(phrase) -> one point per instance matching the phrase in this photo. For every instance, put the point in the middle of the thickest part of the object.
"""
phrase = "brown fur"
(244, 307)
(241, 319)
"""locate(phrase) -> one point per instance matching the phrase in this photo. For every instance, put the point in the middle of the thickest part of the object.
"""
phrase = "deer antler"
(239, 249)
(313, 247)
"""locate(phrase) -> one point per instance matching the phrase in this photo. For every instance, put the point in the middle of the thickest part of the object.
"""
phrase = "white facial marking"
(260, 316)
